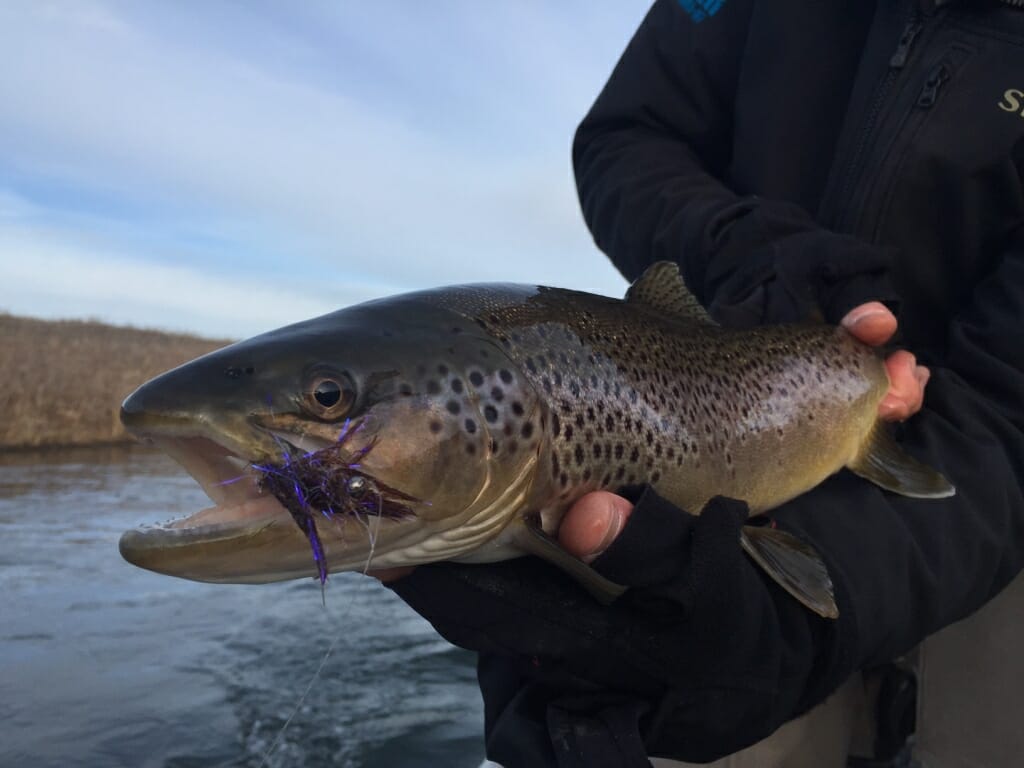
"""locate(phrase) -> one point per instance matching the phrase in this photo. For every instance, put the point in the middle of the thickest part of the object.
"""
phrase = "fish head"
(391, 433)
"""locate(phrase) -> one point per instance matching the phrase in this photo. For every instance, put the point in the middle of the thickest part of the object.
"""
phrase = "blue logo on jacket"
(699, 10)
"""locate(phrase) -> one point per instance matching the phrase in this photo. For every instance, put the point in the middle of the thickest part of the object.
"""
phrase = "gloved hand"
(769, 262)
(680, 655)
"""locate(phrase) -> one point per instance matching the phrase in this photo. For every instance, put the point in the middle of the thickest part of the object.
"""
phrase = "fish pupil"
(328, 393)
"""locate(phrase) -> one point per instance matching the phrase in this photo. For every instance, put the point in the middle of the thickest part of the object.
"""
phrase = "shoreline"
(64, 380)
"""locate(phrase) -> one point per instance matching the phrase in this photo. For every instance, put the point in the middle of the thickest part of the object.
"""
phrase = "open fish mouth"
(247, 536)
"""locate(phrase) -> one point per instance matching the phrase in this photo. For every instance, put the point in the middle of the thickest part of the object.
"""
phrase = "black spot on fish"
(556, 425)
(470, 449)
(563, 479)
(517, 408)
(470, 426)
(526, 431)
(505, 375)
(656, 477)
(497, 394)
(530, 365)
(634, 455)
(453, 407)
(457, 386)
(512, 446)
(442, 369)
(405, 389)
(436, 426)
(580, 455)
(568, 432)
(476, 378)
(433, 387)
(490, 413)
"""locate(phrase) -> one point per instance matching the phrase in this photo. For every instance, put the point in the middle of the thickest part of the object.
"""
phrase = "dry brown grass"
(62, 382)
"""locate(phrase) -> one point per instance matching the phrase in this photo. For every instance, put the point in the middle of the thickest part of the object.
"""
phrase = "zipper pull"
(910, 33)
(930, 92)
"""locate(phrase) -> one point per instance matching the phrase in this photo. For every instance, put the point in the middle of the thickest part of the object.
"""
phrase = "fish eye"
(327, 393)
(330, 396)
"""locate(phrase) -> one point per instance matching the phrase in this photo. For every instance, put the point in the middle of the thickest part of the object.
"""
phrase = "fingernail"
(615, 522)
(853, 319)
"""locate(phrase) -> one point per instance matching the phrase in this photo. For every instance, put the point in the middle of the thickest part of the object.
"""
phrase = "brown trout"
(461, 423)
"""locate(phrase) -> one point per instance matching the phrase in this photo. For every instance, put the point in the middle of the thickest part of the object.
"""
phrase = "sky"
(227, 167)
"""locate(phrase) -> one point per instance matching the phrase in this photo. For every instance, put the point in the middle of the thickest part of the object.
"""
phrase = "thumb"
(592, 523)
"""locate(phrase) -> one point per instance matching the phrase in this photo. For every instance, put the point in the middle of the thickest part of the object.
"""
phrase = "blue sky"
(228, 167)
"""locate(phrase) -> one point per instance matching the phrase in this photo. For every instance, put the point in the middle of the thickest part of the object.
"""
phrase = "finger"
(592, 524)
(872, 323)
(907, 381)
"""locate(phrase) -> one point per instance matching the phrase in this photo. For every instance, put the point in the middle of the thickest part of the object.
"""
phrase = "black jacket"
(792, 157)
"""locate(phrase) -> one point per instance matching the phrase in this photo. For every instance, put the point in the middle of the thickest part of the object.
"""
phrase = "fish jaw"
(248, 536)
(222, 543)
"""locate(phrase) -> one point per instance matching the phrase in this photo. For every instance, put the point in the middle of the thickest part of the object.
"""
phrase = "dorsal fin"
(661, 287)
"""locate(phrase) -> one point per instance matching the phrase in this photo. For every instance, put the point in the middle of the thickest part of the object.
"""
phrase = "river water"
(103, 664)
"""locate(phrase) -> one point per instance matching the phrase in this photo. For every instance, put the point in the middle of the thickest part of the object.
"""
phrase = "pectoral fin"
(793, 565)
(887, 465)
(531, 539)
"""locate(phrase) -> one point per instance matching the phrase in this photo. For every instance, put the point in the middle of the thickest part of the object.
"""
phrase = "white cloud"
(46, 276)
(100, 97)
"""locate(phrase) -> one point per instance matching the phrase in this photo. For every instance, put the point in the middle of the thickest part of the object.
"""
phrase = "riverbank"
(63, 381)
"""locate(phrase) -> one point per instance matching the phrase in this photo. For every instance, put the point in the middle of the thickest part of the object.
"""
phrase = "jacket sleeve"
(651, 163)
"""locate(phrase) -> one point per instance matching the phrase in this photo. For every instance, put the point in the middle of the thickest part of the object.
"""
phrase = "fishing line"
(371, 535)
(302, 699)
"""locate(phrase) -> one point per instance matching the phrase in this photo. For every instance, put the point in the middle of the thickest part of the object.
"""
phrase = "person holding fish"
(831, 161)
(754, 169)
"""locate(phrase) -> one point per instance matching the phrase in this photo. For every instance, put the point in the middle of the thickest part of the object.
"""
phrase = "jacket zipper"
(897, 61)
(936, 79)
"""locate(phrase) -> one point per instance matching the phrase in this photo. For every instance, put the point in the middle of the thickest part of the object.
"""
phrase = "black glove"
(681, 665)
(772, 263)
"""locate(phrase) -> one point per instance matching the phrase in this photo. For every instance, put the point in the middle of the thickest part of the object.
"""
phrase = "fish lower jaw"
(239, 505)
